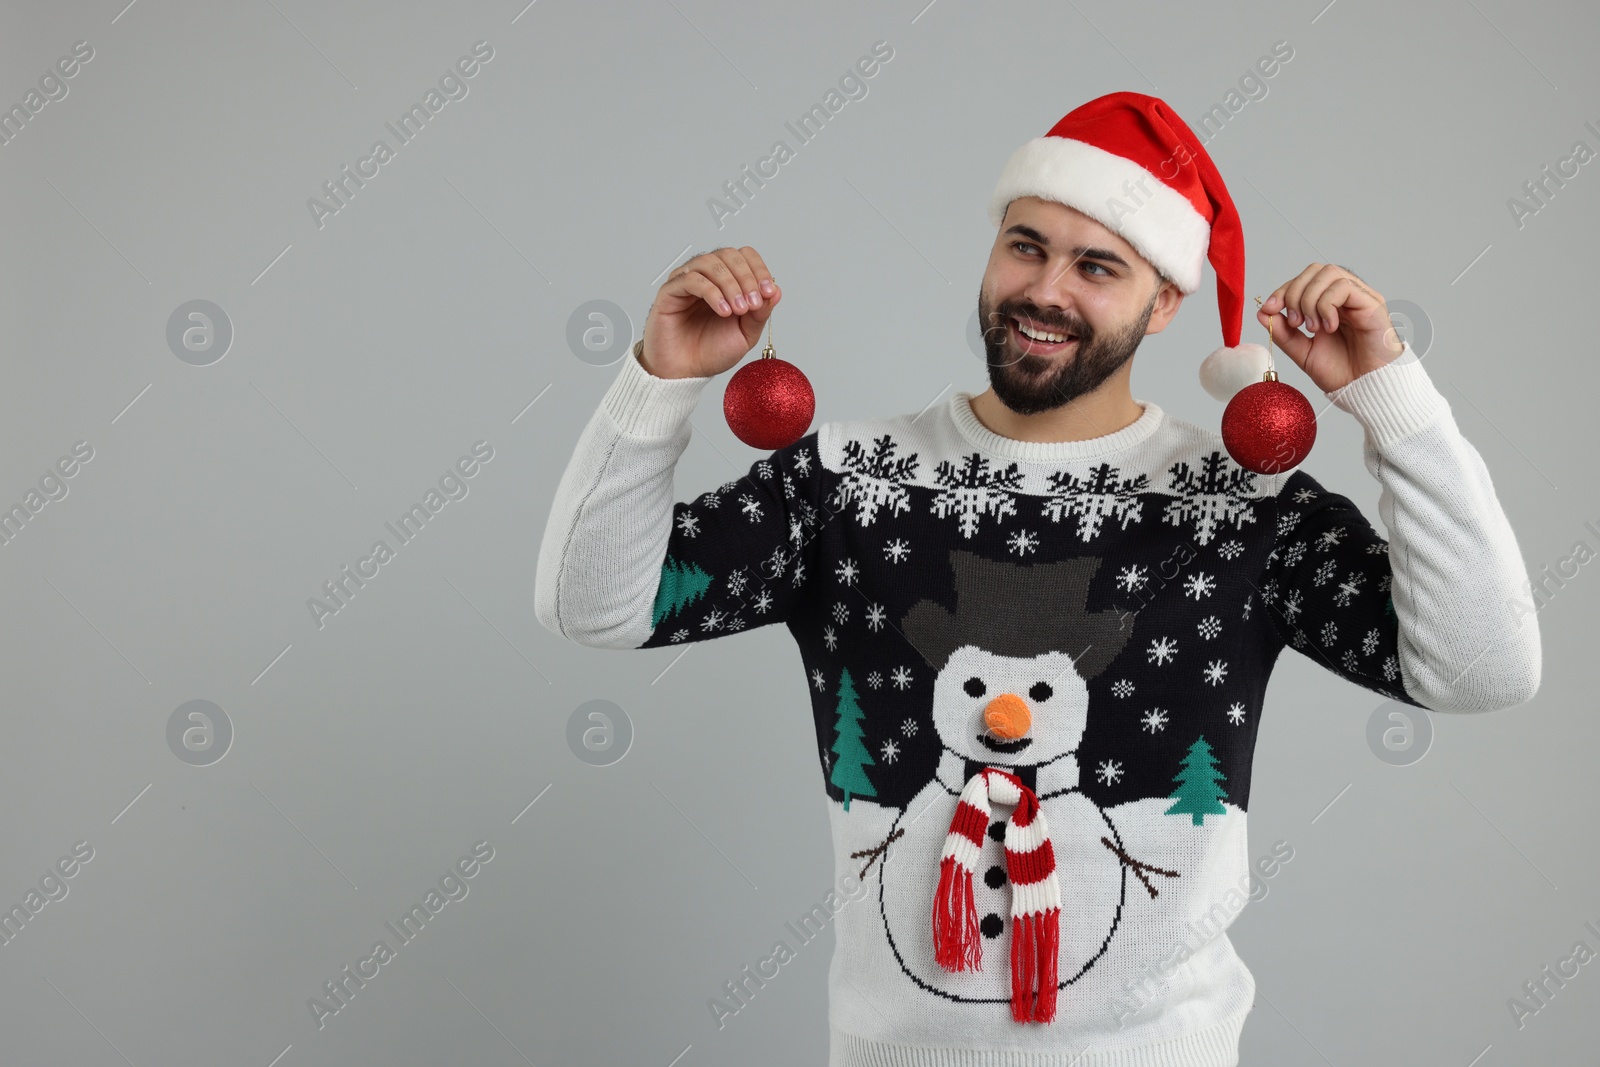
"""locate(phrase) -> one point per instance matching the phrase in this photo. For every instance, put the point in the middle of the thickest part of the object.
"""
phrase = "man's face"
(1060, 272)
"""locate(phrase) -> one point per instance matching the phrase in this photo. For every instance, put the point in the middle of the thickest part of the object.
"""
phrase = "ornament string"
(1272, 374)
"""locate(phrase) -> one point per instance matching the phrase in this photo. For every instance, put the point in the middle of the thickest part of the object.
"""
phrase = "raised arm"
(1427, 616)
(607, 531)
(623, 566)
(607, 572)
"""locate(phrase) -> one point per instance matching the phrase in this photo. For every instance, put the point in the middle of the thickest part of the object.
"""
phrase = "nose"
(1007, 716)
(1050, 287)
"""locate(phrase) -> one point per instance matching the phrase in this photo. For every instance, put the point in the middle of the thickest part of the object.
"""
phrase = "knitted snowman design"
(1010, 694)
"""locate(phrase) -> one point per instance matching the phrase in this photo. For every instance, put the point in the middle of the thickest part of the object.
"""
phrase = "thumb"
(1286, 337)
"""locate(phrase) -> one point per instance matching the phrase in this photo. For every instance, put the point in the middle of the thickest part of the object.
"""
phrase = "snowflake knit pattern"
(1096, 619)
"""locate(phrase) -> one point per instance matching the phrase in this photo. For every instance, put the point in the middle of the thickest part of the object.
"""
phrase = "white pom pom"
(1228, 370)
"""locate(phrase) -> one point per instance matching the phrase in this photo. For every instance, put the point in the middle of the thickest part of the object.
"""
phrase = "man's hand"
(708, 314)
(1351, 329)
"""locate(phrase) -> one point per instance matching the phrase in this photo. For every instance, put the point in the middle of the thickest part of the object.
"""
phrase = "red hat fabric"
(1130, 163)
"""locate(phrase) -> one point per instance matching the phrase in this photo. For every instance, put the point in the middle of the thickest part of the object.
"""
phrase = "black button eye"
(975, 687)
(1041, 691)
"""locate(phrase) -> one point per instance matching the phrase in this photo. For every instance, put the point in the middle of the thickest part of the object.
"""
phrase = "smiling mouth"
(1040, 343)
(1004, 746)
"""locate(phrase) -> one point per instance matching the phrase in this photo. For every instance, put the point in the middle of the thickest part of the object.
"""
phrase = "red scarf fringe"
(1035, 940)
(956, 944)
(1035, 944)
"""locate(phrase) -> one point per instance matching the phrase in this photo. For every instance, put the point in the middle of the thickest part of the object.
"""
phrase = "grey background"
(369, 755)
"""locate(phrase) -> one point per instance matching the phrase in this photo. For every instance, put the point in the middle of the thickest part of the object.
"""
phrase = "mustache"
(1051, 322)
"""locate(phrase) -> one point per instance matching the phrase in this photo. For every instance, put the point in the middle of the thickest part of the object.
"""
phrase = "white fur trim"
(1158, 221)
(1228, 370)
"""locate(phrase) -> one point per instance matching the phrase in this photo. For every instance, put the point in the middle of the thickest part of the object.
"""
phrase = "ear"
(1169, 298)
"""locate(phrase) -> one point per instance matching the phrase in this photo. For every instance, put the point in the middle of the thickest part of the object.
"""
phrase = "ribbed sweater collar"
(959, 410)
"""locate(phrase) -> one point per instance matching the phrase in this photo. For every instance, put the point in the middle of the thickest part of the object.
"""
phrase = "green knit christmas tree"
(1198, 793)
(849, 770)
(681, 585)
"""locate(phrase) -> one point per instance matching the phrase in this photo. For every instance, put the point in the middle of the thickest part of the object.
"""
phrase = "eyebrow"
(1080, 252)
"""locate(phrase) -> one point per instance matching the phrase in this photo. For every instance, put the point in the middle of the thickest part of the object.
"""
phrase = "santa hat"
(1130, 163)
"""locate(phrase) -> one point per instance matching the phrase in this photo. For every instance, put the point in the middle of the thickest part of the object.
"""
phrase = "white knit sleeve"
(1457, 568)
(609, 523)
(624, 566)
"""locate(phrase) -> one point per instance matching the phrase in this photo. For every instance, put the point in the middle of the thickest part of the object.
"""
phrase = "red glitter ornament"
(1269, 426)
(768, 402)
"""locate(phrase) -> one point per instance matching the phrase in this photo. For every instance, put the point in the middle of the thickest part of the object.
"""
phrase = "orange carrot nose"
(1007, 716)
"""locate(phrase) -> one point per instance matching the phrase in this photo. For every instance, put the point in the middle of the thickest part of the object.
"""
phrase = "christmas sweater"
(1098, 619)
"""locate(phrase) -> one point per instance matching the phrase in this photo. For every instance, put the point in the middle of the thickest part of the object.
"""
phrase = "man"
(1049, 577)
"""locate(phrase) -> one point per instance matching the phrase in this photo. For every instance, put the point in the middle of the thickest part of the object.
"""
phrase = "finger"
(690, 282)
(744, 267)
(1292, 291)
(1327, 293)
(756, 320)
(743, 277)
(759, 267)
(1307, 304)
(693, 283)
(1360, 297)
(1339, 293)
(1374, 298)
(716, 268)
(1296, 344)
(1313, 298)
(1274, 301)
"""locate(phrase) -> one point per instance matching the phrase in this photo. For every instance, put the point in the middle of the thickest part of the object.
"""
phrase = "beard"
(1029, 384)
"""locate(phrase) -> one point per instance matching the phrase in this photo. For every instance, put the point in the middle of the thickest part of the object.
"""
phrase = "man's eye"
(1100, 265)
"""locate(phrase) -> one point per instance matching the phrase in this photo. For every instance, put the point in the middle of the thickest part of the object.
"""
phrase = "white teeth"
(1039, 335)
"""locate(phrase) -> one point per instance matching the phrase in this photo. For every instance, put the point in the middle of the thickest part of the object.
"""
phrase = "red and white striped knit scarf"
(1035, 892)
